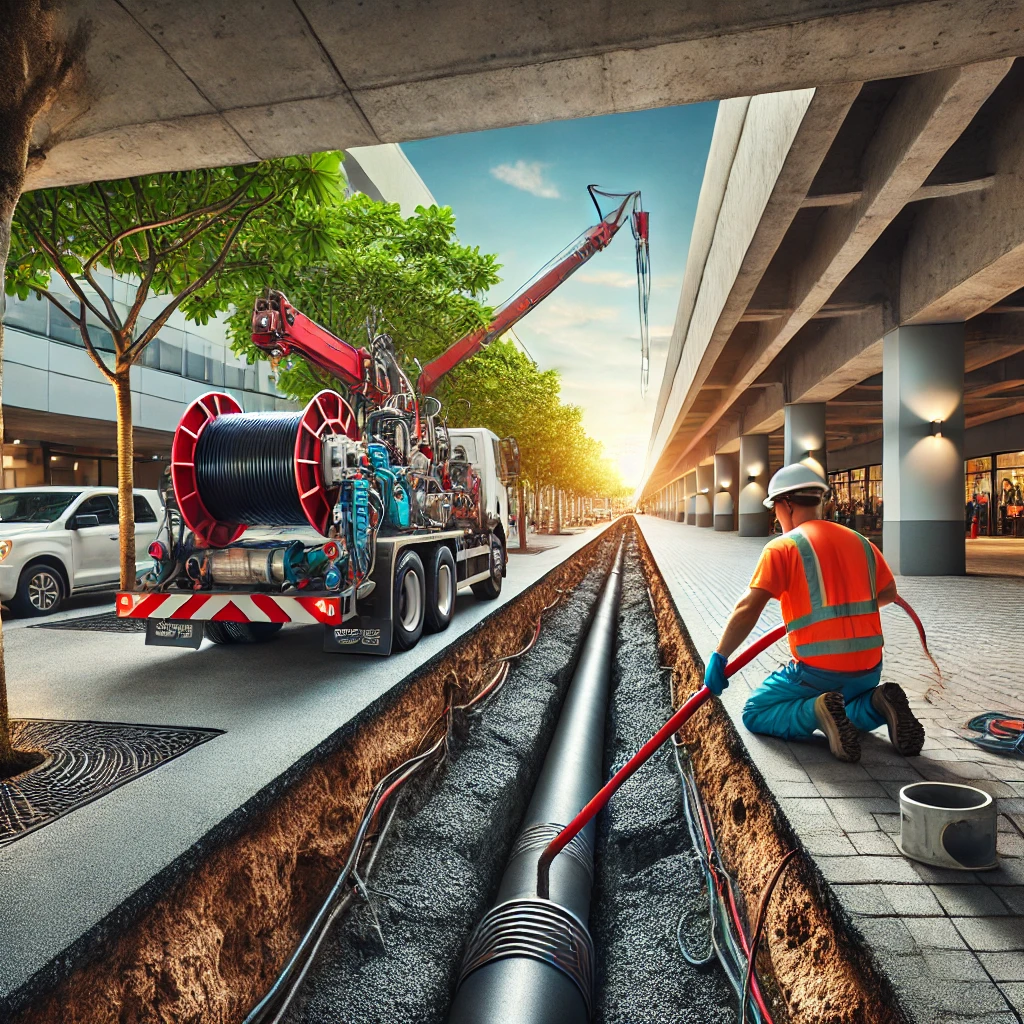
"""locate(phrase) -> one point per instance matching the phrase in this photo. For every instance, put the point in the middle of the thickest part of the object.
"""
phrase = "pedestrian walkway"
(951, 942)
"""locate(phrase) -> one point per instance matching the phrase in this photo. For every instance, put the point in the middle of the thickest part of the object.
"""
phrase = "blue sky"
(521, 193)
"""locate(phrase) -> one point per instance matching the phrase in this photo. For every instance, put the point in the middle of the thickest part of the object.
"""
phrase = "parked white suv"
(58, 541)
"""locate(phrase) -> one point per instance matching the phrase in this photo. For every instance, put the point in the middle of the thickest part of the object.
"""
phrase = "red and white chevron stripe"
(229, 607)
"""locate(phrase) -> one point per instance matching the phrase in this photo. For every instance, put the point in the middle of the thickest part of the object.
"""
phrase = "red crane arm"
(592, 241)
(279, 329)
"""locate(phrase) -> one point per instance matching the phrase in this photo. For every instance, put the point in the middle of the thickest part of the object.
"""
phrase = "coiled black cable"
(245, 469)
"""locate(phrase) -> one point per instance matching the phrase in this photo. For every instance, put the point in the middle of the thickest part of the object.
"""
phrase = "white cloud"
(559, 315)
(608, 278)
(528, 176)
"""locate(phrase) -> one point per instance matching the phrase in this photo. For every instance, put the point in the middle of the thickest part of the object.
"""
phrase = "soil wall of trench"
(209, 936)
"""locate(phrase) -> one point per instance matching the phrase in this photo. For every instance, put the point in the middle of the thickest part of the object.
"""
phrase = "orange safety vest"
(831, 614)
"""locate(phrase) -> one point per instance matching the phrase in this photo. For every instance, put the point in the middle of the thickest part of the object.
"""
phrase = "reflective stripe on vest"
(821, 612)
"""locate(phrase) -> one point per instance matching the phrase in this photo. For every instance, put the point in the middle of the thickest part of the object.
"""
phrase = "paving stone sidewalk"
(952, 942)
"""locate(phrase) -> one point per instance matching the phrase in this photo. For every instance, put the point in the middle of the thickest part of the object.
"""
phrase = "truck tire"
(41, 591)
(241, 632)
(490, 588)
(440, 604)
(408, 600)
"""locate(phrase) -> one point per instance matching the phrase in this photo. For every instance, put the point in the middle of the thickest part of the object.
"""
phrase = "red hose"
(674, 724)
(920, 632)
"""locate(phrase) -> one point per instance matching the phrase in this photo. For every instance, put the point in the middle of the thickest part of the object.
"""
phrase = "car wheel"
(440, 606)
(40, 591)
(241, 632)
(408, 600)
(490, 588)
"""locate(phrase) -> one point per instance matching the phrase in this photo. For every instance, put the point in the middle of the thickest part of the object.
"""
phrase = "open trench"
(210, 941)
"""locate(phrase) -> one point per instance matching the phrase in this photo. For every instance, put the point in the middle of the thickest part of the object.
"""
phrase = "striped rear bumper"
(230, 607)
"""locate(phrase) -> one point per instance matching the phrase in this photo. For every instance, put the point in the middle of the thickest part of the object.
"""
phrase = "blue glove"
(714, 674)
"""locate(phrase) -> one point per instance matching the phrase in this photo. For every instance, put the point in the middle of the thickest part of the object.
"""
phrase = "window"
(143, 510)
(63, 329)
(35, 506)
(102, 506)
(29, 314)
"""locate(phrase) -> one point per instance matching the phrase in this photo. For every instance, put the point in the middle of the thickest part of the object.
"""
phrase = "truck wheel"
(490, 588)
(440, 606)
(241, 632)
(408, 599)
(40, 591)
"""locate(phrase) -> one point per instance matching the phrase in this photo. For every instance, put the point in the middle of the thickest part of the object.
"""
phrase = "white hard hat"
(796, 480)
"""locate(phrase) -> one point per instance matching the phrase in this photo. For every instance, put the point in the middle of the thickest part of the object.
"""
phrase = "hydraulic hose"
(530, 960)
(674, 724)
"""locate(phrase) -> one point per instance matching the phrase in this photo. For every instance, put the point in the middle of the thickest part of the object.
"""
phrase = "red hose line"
(674, 724)
(920, 631)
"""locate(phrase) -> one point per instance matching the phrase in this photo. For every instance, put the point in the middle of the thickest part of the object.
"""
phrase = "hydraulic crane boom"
(592, 241)
(279, 329)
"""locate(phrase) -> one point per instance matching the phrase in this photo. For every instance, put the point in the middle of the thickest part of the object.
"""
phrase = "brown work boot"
(906, 733)
(843, 740)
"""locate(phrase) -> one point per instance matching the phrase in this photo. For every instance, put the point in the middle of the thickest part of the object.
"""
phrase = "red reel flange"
(327, 413)
(198, 416)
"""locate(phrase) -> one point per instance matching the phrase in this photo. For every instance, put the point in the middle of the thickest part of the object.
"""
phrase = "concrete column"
(727, 473)
(705, 489)
(754, 477)
(680, 502)
(690, 486)
(805, 436)
(923, 450)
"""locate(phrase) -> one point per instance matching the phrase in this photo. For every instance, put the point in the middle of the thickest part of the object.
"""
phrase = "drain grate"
(107, 622)
(85, 760)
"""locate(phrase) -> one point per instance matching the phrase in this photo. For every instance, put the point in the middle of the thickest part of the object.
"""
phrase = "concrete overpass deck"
(65, 887)
(951, 943)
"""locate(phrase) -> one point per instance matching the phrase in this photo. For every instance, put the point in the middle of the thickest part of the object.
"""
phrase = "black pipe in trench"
(531, 961)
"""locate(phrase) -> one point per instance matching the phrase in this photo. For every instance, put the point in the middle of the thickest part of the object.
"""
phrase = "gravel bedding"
(447, 849)
(646, 872)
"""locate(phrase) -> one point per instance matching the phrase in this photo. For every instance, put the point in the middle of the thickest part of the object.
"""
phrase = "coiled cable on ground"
(350, 880)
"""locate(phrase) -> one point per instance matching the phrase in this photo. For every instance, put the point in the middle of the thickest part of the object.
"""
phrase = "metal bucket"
(948, 825)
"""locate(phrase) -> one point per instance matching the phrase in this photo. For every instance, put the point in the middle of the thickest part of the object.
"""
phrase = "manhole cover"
(85, 760)
(107, 622)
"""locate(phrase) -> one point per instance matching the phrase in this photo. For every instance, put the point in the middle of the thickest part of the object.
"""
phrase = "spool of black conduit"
(245, 469)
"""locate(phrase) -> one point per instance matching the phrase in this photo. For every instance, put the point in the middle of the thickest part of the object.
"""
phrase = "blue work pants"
(783, 705)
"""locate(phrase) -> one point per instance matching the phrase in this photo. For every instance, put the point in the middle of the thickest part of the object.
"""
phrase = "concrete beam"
(437, 67)
(784, 140)
(926, 116)
(966, 253)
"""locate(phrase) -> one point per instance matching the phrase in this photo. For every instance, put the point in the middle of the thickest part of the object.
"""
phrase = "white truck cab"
(496, 463)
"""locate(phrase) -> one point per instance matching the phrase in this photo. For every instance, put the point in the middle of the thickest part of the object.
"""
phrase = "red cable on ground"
(920, 631)
(674, 724)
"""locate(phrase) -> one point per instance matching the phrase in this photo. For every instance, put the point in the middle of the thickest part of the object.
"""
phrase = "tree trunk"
(558, 512)
(521, 518)
(8, 200)
(125, 476)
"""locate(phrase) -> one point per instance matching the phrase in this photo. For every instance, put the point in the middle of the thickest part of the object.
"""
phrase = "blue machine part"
(396, 490)
(352, 513)
(332, 579)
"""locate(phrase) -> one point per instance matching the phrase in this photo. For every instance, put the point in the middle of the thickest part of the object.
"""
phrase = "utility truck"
(364, 514)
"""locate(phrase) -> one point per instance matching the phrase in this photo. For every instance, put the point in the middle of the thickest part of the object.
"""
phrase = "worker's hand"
(714, 674)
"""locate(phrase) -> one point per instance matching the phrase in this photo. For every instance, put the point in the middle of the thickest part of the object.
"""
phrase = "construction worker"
(831, 582)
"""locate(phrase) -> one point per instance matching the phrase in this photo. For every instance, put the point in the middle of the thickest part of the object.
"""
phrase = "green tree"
(373, 271)
(191, 236)
(37, 62)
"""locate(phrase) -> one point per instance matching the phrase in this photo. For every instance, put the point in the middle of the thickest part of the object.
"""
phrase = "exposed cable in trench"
(351, 881)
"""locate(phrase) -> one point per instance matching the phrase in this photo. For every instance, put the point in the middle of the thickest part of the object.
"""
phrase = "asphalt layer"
(646, 872)
(447, 849)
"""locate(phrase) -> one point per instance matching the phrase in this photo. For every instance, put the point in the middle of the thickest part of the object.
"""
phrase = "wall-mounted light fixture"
(752, 479)
(16, 441)
(705, 490)
(936, 428)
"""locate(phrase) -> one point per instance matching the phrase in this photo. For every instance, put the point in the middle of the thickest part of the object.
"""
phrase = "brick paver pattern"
(952, 942)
